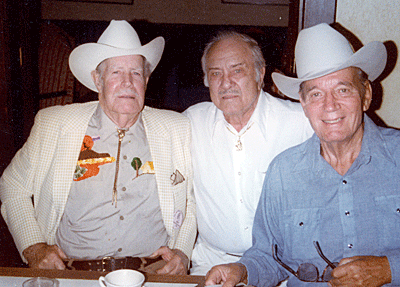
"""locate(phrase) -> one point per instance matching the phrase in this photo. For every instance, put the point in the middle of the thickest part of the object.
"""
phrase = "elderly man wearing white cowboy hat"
(108, 184)
(329, 213)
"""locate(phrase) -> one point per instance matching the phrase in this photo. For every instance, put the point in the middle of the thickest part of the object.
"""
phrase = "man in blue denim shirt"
(336, 197)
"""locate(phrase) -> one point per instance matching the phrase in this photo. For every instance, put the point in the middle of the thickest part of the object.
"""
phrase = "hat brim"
(371, 59)
(85, 58)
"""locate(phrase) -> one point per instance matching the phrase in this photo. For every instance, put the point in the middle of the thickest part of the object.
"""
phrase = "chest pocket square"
(177, 177)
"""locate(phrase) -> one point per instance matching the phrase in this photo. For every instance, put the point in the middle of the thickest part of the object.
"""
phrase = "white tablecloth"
(17, 282)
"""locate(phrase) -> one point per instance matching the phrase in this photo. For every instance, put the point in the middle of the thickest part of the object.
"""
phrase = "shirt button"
(344, 181)
(246, 228)
(124, 157)
(119, 249)
(350, 245)
(124, 188)
(239, 173)
(347, 213)
(121, 217)
(398, 210)
(241, 200)
(301, 224)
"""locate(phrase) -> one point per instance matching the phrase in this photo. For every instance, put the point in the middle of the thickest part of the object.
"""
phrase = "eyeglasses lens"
(326, 275)
(307, 272)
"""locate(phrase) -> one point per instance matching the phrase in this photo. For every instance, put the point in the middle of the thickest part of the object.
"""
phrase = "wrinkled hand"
(177, 261)
(366, 271)
(45, 256)
(228, 274)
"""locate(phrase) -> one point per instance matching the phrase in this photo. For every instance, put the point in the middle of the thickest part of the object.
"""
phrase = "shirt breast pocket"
(389, 214)
(302, 227)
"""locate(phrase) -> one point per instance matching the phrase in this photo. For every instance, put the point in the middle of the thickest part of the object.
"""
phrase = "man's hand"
(228, 274)
(177, 261)
(366, 271)
(44, 256)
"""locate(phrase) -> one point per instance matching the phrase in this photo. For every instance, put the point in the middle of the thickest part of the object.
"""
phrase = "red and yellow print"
(89, 160)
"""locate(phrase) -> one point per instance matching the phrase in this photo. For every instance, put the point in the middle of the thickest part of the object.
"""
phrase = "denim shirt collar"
(373, 145)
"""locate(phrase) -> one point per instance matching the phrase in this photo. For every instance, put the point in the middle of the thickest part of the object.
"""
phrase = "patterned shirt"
(93, 226)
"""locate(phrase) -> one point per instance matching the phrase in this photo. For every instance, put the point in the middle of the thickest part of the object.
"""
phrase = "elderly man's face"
(335, 103)
(122, 86)
(234, 85)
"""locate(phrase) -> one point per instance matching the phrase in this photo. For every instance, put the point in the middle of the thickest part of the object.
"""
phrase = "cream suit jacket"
(43, 169)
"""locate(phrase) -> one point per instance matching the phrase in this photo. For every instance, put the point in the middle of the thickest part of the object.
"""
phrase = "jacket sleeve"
(187, 232)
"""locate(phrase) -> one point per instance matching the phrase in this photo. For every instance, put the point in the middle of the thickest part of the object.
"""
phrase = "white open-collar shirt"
(228, 182)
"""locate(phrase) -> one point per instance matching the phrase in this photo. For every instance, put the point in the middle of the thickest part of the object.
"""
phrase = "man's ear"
(303, 104)
(301, 100)
(262, 74)
(367, 97)
(96, 79)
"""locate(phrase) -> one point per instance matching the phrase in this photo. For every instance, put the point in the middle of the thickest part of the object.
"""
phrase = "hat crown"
(120, 34)
(320, 48)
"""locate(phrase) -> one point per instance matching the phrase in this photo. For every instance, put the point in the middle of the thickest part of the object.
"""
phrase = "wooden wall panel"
(313, 12)
(203, 12)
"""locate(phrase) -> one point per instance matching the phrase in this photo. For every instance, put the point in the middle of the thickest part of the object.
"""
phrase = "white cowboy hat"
(119, 39)
(321, 50)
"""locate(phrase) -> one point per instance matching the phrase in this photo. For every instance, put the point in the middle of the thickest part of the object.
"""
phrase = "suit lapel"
(160, 149)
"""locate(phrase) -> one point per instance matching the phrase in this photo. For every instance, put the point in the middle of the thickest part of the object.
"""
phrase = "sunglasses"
(308, 272)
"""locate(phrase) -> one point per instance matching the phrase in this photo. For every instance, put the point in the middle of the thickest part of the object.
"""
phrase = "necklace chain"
(239, 145)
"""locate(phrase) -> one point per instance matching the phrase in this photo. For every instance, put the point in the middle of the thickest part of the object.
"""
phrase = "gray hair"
(259, 61)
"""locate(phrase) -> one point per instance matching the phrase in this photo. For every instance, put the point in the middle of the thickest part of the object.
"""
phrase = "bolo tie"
(121, 134)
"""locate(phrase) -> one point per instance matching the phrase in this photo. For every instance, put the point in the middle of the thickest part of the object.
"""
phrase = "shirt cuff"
(394, 260)
(253, 274)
